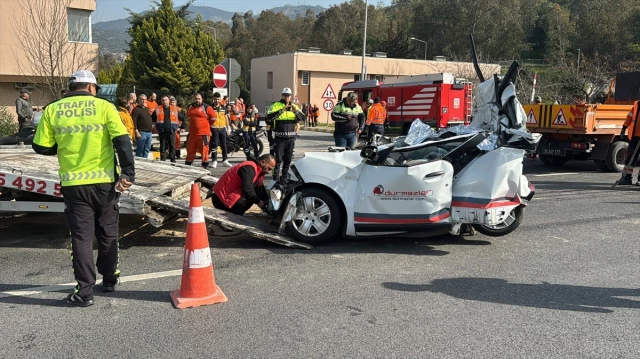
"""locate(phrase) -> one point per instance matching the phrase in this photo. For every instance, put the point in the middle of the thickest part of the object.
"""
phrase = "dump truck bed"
(161, 192)
(601, 119)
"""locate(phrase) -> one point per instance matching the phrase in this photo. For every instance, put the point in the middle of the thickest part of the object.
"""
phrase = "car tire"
(617, 156)
(517, 215)
(316, 225)
(553, 160)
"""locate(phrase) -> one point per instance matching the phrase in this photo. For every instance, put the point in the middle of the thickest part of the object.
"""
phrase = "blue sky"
(114, 9)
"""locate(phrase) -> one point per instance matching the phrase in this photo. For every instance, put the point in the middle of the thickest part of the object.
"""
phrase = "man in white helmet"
(283, 117)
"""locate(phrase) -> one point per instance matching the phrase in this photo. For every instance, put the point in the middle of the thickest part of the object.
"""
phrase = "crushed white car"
(426, 181)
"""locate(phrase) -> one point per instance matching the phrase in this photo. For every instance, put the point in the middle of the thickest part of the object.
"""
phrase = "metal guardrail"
(156, 141)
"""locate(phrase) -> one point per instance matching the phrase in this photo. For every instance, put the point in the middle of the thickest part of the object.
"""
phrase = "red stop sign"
(219, 76)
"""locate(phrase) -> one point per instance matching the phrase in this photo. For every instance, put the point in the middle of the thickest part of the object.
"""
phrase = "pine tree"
(166, 53)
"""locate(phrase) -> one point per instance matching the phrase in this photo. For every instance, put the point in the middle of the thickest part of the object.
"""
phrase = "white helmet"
(287, 91)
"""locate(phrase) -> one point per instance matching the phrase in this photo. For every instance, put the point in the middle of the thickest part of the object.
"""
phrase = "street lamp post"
(425, 46)
(364, 43)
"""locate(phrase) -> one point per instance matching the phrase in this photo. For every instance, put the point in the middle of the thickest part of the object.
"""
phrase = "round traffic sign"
(219, 76)
(328, 105)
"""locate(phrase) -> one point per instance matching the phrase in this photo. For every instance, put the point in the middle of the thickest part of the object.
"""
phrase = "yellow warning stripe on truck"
(554, 116)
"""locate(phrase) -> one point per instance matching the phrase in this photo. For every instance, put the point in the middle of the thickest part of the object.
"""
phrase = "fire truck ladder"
(469, 101)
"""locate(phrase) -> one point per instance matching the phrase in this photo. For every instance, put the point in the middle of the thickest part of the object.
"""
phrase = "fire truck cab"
(440, 100)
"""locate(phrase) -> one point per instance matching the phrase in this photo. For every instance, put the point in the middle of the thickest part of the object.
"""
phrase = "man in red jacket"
(201, 118)
(241, 186)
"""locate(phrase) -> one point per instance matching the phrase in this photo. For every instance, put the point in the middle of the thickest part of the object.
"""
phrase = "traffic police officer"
(284, 116)
(349, 119)
(83, 130)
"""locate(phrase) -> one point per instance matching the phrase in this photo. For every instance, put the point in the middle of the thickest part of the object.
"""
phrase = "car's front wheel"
(319, 220)
(510, 224)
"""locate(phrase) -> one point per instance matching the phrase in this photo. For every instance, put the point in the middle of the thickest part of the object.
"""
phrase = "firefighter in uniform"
(633, 152)
(349, 119)
(284, 116)
(200, 117)
(376, 119)
(83, 130)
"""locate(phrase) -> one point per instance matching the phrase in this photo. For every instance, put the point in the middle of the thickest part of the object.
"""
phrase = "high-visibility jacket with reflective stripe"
(173, 114)
(220, 120)
(631, 120)
(376, 115)
(83, 127)
(285, 124)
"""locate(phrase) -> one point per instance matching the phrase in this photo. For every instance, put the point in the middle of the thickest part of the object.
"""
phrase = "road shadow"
(98, 296)
(545, 295)
(415, 244)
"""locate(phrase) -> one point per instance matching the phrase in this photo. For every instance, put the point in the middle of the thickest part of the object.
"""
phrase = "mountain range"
(112, 36)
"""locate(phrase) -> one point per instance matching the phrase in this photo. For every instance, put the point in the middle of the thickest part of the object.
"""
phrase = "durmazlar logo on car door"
(404, 195)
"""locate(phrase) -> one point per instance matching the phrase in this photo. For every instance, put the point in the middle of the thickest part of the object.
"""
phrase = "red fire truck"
(439, 100)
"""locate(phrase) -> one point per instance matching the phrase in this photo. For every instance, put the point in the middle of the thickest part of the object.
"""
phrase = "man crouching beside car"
(242, 186)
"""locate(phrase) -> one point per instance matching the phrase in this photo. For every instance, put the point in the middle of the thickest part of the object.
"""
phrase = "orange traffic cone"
(198, 286)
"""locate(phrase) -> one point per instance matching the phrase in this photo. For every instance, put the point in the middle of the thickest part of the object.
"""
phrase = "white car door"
(409, 198)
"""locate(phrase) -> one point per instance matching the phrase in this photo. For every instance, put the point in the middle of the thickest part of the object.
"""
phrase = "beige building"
(315, 77)
(25, 28)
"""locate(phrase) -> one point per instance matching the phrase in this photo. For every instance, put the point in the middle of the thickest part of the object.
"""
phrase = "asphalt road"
(564, 285)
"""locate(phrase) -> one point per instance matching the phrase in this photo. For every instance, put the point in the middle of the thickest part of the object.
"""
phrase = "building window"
(356, 77)
(79, 25)
(270, 80)
(305, 78)
(379, 78)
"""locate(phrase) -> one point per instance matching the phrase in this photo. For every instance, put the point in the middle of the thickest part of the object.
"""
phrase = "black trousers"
(272, 143)
(218, 138)
(250, 142)
(93, 212)
(167, 143)
(284, 155)
(243, 203)
(373, 129)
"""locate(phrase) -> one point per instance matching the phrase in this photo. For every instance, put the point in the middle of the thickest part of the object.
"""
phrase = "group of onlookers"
(143, 116)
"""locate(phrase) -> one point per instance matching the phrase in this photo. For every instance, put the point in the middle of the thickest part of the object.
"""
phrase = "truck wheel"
(509, 225)
(617, 156)
(320, 220)
(553, 160)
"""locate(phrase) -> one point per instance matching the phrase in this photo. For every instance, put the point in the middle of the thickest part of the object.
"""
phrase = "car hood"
(325, 167)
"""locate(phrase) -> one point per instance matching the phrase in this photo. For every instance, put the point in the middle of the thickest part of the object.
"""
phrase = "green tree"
(167, 53)
(110, 75)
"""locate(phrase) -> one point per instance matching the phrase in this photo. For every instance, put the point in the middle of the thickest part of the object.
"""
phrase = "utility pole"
(364, 43)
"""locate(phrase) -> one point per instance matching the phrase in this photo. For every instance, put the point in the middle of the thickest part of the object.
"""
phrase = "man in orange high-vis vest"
(201, 118)
(633, 152)
(167, 123)
(181, 121)
(376, 119)
(241, 186)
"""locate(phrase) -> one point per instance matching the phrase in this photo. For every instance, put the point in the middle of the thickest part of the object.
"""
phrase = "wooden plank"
(248, 225)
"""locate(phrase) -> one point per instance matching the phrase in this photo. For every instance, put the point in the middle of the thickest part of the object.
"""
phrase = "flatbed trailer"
(30, 183)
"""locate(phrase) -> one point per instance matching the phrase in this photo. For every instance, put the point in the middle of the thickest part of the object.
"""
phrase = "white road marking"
(53, 288)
